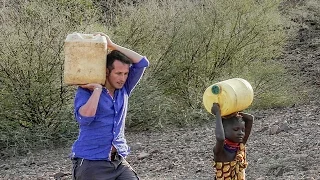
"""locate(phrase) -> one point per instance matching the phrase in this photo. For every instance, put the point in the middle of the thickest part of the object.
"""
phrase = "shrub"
(36, 107)
(192, 44)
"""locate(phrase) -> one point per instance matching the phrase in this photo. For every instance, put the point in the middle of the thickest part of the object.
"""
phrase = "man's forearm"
(135, 57)
(90, 108)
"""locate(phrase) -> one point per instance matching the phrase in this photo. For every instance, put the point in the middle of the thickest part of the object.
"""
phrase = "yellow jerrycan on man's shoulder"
(233, 95)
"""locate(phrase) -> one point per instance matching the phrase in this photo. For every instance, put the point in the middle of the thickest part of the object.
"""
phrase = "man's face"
(118, 76)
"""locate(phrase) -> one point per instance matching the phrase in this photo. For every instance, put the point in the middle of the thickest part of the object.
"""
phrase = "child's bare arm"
(219, 131)
(248, 119)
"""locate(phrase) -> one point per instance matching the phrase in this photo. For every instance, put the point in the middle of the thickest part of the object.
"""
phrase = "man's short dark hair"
(116, 55)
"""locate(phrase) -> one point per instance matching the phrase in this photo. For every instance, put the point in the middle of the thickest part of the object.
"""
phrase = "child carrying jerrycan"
(226, 100)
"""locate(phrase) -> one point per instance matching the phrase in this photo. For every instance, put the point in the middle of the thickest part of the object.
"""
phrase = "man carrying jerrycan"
(101, 148)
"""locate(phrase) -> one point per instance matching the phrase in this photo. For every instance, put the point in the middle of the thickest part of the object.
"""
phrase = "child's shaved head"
(231, 120)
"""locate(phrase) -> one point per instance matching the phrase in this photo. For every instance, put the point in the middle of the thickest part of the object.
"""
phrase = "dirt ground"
(284, 144)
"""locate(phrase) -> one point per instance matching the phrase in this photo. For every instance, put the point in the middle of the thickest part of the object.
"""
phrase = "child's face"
(235, 130)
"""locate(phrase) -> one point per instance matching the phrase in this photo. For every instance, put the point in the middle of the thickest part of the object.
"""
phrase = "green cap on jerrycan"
(232, 95)
(215, 89)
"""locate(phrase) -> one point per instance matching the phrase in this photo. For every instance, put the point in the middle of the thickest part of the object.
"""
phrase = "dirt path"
(187, 153)
(284, 143)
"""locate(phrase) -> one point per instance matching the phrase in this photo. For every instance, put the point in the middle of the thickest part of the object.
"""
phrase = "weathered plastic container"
(233, 95)
(85, 59)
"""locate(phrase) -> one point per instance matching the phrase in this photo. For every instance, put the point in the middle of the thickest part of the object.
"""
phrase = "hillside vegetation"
(190, 45)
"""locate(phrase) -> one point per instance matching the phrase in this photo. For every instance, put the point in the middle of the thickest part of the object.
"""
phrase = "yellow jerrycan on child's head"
(233, 95)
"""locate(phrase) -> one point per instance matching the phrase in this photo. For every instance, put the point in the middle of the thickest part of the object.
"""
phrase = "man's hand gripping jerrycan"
(233, 95)
(85, 59)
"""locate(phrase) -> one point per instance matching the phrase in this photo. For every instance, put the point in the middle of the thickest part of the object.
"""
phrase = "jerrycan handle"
(216, 89)
(78, 35)
(86, 36)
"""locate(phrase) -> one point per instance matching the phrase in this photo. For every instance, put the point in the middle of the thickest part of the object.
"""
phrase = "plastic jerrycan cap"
(216, 89)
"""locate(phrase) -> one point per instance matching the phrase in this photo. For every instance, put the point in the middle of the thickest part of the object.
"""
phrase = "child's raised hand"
(246, 116)
(215, 108)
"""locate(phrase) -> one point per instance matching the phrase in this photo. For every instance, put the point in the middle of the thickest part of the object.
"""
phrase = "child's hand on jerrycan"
(215, 108)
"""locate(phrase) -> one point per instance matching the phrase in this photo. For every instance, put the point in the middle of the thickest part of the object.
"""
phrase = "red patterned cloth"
(234, 170)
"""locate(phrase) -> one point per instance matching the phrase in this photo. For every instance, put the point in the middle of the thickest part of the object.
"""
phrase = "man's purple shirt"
(98, 133)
